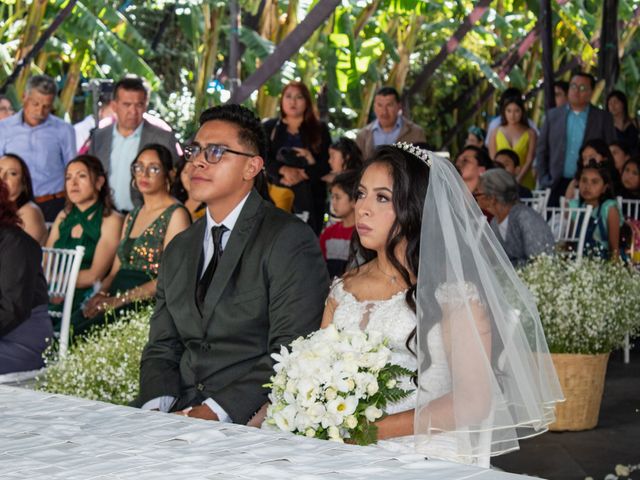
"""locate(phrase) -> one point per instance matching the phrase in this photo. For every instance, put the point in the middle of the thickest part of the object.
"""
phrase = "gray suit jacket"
(552, 142)
(269, 288)
(103, 137)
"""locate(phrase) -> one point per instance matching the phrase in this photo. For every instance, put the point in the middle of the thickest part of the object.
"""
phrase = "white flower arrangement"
(105, 365)
(586, 306)
(334, 384)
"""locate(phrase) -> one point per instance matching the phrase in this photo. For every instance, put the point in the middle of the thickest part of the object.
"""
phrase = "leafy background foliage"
(181, 48)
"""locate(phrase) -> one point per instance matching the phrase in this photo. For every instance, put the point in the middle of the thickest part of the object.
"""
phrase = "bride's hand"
(258, 417)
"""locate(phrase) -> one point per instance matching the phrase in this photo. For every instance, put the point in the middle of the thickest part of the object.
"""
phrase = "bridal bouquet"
(333, 385)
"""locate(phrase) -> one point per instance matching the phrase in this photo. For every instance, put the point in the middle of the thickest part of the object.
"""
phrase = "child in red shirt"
(335, 239)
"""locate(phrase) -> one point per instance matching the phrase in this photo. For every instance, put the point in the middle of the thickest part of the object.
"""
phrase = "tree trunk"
(547, 53)
(608, 64)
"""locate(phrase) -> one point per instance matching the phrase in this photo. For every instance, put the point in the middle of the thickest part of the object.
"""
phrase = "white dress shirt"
(165, 403)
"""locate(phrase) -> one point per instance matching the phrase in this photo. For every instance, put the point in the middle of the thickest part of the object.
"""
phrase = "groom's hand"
(203, 412)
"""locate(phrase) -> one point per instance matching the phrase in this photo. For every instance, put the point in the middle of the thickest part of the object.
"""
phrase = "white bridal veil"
(502, 383)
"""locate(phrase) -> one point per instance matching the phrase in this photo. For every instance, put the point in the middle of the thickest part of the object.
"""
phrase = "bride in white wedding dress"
(435, 282)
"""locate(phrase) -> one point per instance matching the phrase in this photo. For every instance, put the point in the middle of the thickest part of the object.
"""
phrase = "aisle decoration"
(587, 307)
(334, 384)
(105, 365)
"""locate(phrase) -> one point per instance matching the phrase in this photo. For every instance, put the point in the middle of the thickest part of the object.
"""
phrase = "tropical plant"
(181, 48)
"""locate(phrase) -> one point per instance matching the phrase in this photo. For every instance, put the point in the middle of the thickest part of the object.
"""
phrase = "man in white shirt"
(242, 281)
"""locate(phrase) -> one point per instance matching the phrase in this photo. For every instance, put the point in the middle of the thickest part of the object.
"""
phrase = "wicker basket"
(582, 381)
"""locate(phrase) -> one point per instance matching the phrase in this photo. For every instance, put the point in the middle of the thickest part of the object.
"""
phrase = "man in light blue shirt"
(45, 142)
(564, 131)
(117, 145)
(123, 150)
(576, 126)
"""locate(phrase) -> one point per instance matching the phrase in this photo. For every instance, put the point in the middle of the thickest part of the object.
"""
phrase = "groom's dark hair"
(250, 131)
(250, 134)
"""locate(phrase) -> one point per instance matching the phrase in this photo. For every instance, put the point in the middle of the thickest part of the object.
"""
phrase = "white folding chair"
(629, 208)
(61, 268)
(569, 224)
(539, 200)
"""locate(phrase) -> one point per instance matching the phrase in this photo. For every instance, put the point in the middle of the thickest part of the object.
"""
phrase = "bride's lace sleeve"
(455, 295)
(336, 292)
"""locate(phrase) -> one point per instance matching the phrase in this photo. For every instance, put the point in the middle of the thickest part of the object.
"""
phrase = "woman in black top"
(299, 151)
(626, 127)
(25, 325)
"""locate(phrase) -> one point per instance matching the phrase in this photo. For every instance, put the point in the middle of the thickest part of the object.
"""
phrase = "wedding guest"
(390, 125)
(25, 325)
(509, 94)
(631, 179)
(89, 220)
(344, 155)
(476, 137)
(335, 239)
(241, 282)
(564, 131)
(509, 160)
(620, 154)
(44, 141)
(514, 133)
(561, 92)
(472, 162)
(595, 187)
(521, 230)
(181, 189)
(298, 152)
(595, 150)
(147, 231)
(626, 127)
(15, 173)
(117, 144)
(6, 108)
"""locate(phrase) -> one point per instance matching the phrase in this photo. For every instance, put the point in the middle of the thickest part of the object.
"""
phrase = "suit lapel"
(145, 135)
(591, 124)
(240, 235)
(105, 148)
(193, 261)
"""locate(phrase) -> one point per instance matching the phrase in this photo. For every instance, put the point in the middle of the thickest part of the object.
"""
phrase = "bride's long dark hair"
(410, 180)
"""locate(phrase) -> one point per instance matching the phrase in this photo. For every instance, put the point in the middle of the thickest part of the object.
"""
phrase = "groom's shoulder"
(278, 223)
(192, 234)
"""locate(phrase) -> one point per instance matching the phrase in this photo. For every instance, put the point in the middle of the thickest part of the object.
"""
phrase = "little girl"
(335, 239)
(595, 188)
(631, 178)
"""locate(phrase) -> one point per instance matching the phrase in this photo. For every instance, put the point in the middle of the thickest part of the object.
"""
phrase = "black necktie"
(205, 281)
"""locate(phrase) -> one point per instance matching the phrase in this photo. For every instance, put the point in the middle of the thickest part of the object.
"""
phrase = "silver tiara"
(415, 151)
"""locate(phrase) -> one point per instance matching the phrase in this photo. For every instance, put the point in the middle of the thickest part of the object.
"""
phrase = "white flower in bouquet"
(333, 385)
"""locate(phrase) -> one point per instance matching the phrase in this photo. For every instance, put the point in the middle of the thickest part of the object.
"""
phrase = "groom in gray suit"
(234, 287)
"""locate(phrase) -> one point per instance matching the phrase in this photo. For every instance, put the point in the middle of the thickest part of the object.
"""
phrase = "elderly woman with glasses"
(146, 232)
(521, 230)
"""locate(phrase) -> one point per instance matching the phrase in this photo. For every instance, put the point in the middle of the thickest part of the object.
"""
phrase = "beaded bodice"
(143, 253)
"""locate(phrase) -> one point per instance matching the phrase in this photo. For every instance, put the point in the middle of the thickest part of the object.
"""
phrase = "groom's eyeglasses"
(212, 153)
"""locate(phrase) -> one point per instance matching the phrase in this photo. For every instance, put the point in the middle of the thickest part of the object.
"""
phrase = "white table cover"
(53, 436)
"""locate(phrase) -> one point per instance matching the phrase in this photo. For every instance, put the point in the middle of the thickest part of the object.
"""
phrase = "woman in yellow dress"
(515, 134)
